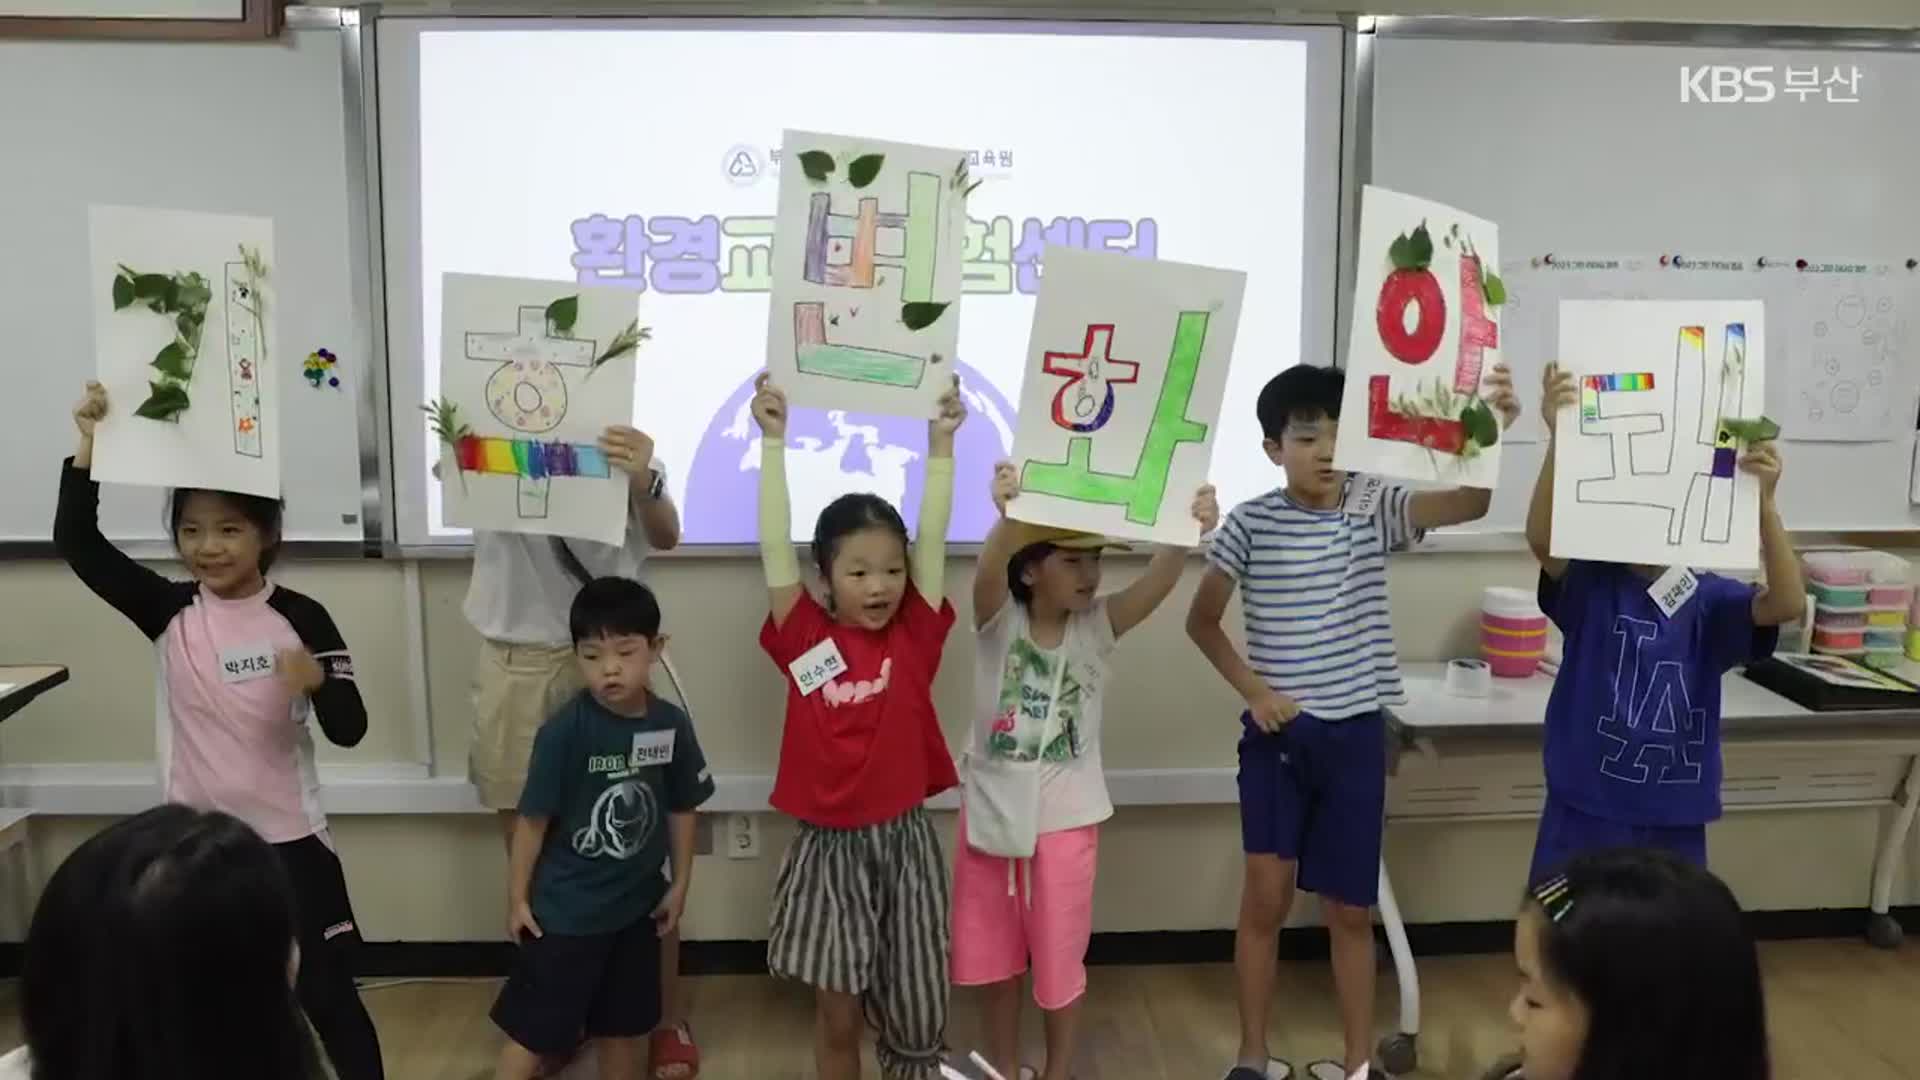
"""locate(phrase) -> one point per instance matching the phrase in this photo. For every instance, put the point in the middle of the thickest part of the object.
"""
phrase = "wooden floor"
(1838, 1009)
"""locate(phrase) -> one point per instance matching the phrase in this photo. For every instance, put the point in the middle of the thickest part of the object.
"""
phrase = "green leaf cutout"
(627, 341)
(919, 316)
(563, 313)
(151, 286)
(862, 170)
(122, 292)
(1401, 253)
(174, 362)
(1495, 290)
(817, 164)
(1420, 246)
(164, 403)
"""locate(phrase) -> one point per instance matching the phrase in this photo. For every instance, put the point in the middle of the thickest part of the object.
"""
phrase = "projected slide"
(649, 159)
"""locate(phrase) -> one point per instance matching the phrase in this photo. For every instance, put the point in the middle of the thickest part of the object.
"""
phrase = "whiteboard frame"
(1369, 29)
(777, 16)
(368, 332)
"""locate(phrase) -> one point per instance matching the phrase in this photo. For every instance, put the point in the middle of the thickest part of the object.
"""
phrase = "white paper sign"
(1426, 331)
(1363, 495)
(1643, 472)
(246, 663)
(533, 397)
(1671, 590)
(1126, 365)
(651, 748)
(183, 334)
(817, 667)
(867, 258)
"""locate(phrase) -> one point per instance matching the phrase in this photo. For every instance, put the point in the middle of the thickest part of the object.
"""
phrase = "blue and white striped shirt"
(1313, 587)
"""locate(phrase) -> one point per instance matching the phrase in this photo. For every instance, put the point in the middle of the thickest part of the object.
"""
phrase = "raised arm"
(1783, 598)
(990, 577)
(777, 559)
(1130, 606)
(1557, 391)
(1437, 509)
(936, 499)
(143, 596)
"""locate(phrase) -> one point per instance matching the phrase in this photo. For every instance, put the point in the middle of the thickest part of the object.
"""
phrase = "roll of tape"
(1468, 678)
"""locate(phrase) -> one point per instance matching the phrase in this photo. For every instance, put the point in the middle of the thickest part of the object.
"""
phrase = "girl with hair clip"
(164, 947)
(1634, 965)
(860, 906)
(243, 665)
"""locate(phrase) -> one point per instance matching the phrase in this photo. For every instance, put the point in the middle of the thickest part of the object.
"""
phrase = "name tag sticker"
(1363, 495)
(246, 663)
(1672, 590)
(817, 667)
(651, 748)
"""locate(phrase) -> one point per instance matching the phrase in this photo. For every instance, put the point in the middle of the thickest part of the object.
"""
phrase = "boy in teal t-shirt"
(613, 784)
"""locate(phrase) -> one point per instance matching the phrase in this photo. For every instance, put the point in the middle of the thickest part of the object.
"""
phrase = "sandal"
(1276, 1070)
(672, 1053)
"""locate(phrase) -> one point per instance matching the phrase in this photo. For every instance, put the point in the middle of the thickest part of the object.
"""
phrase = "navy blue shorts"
(1566, 832)
(1315, 792)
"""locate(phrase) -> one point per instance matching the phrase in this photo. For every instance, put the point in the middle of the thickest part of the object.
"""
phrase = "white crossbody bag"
(1003, 795)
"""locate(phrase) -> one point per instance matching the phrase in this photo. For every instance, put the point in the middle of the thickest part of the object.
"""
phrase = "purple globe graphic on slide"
(831, 452)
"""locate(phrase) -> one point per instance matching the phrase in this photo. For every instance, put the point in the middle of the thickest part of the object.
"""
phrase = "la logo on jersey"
(651, 748)
(1650, 706)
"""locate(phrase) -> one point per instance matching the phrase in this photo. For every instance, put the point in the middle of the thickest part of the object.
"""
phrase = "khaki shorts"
(515, 689)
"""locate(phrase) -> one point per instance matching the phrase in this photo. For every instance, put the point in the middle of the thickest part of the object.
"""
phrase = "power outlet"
(743, 836)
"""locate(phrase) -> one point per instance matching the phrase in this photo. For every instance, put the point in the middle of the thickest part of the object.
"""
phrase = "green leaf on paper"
(1482, 429)
(122, 291)
(1494, 289)
(919, 316)
(862, 170)
(166, 402)
(1752, 431)
(152, 286)
(174, 362)
(817, 164)
(970, 188)
(628, 341)
(1420, 246)
(563, 313)
(1401, 253)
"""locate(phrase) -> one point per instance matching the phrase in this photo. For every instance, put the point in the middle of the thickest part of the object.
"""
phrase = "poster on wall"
(1426, 332)
(1120, 402)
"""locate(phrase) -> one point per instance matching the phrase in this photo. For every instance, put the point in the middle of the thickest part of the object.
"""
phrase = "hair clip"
(1555, 897)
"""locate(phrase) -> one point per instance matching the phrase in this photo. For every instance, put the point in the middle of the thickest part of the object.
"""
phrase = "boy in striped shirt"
(1310, 559)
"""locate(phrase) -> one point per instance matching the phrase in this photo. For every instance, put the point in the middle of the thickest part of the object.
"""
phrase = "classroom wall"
(440, 877)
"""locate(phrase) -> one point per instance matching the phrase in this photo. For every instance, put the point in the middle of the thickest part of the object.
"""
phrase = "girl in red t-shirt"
(860, 909)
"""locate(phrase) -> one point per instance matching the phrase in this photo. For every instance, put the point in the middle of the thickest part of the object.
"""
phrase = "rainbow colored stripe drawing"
(1117, 416)
(1646, 468)
(866, 272)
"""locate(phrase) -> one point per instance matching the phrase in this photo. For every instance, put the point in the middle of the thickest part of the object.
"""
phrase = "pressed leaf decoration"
(627, 341)
(862, 170)
(183, 299)
(443, 416)
(563, 313)
(922, 314)
(817, 164)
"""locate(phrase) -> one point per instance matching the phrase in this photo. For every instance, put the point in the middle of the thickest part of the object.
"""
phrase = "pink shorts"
(1005, 910)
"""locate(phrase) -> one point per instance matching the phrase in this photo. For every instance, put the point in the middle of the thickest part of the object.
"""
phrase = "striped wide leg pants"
(865, 911)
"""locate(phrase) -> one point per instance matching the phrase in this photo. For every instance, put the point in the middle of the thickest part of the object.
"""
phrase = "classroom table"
(21, 683)
(1512, 714)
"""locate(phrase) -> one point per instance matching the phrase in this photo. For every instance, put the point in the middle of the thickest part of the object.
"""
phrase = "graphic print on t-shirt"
(1676, 731)
(626, 813)
(1026, 691)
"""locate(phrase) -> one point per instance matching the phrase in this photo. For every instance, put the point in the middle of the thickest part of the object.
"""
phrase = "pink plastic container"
(1513, 632)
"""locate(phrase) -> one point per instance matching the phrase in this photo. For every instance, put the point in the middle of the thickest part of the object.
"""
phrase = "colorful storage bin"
(1513, 632)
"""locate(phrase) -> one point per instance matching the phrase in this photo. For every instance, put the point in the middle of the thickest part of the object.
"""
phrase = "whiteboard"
(272, 144)
(1587, 148)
